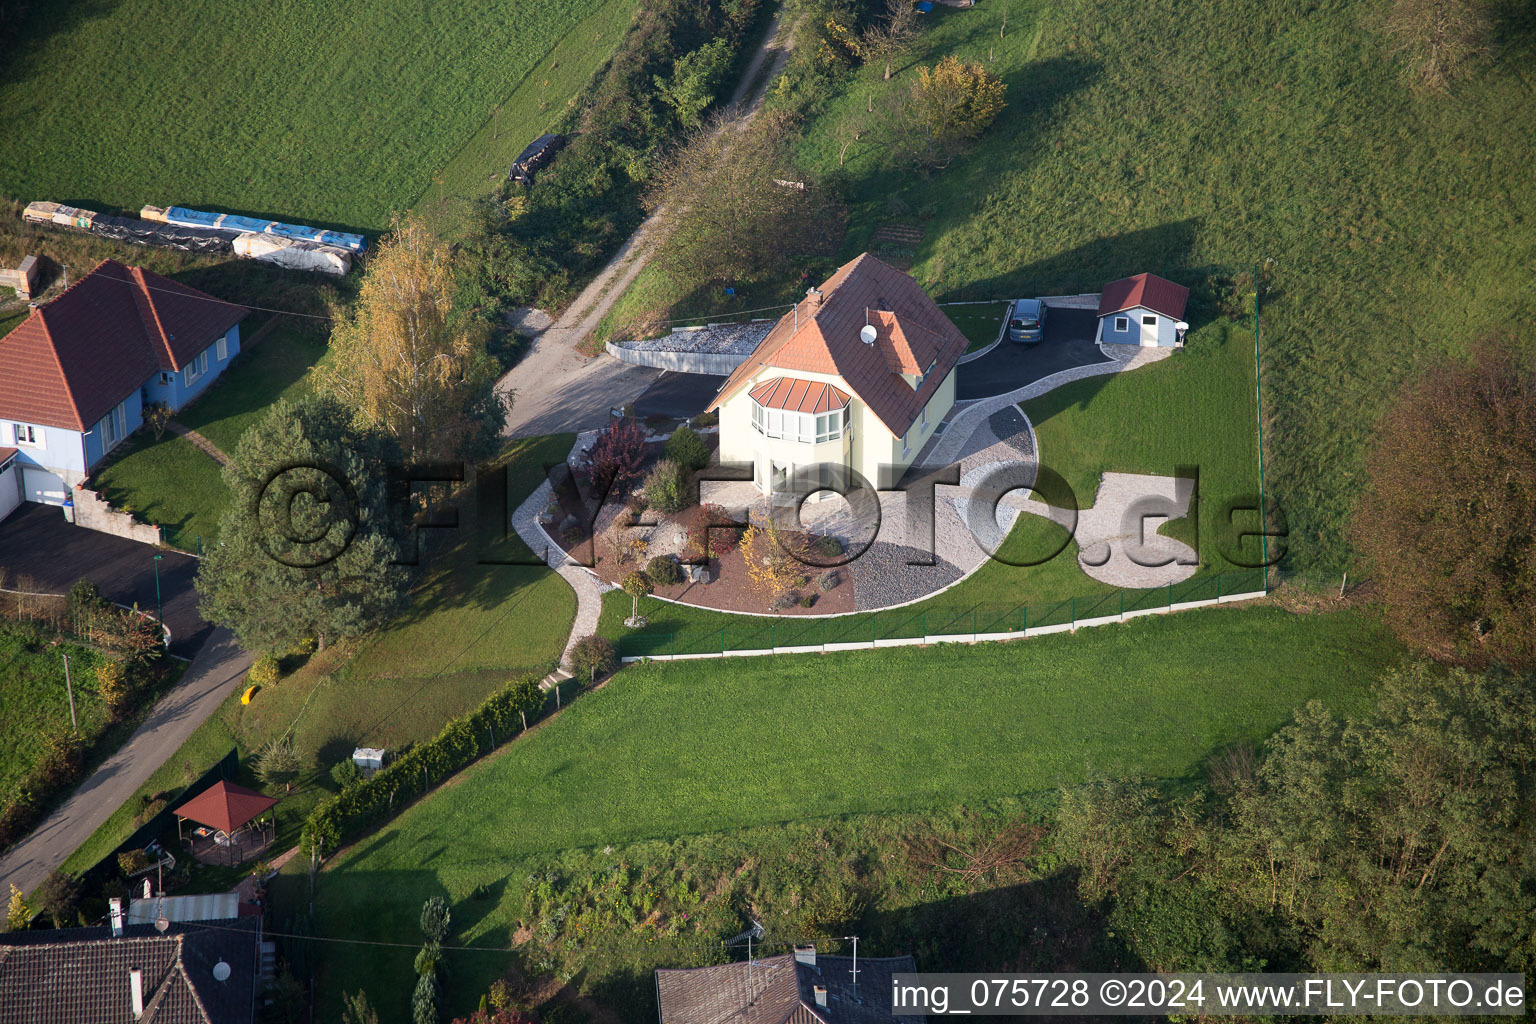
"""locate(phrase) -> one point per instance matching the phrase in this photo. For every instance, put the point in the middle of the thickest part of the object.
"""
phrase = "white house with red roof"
(76, 375)
(1144, 310)
(859, 374)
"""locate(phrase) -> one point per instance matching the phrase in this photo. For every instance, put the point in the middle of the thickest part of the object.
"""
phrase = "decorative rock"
(698, 573)
(637, 622)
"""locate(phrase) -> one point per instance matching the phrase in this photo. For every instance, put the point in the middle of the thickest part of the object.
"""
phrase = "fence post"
(1025, 630)
(973, 625)
(1170, 597)
(672, 644)
(925, 626)
(722, 640)
(874, 636)
(1074, 615)
(1122, 604)
(823, 636)
(1218, 588)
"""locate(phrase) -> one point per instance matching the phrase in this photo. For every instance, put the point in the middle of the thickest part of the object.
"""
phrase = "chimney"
(136, 992)
(820, 990)
(115, 911)
(813, 298)
(805, 955)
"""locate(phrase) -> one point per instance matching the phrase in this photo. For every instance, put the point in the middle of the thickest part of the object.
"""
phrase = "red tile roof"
(1147, 290)
(798, 395)
(225, 806)
(73, 360)
(822, 335)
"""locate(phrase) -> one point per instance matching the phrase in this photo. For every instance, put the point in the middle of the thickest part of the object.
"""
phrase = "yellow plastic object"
(250, 691)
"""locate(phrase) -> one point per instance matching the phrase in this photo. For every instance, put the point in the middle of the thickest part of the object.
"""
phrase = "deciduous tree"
(1441, 40)
(735, 204)
(946, 106)
(892, 35)
(1449, 519)
(770, 566)
(407, 361)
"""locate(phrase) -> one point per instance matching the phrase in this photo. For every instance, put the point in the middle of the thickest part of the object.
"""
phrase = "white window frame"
(906, 449)
(221, 348)
(1122, 324)
(924, 427)
(800, 427)
(165, 379)
(193, 371)
(1149, 320)
(29, 436)
(113, 427)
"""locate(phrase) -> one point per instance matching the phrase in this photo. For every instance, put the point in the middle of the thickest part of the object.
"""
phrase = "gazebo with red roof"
(225, 807)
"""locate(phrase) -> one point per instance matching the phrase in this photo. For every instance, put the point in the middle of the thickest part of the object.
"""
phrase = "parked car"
(1026, 321)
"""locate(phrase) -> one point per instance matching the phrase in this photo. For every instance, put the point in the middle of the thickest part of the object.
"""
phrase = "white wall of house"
(868, 445)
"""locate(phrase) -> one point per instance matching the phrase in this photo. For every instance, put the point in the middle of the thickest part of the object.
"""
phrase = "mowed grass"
(667, 750)
(980, 324)
(320, 110)
(469, 629)
(173, 483)
(540, 103)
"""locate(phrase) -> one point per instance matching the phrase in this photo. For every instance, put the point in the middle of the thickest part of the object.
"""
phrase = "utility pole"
(159, 617)
(855, 971)
(1258, 390)
(69, 686)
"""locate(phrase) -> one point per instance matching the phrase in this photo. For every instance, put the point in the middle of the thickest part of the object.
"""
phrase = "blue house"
(77, 374)
(1144, 310)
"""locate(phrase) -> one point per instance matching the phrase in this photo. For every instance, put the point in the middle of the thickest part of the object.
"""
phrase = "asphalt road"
(1068, 342)
(36, 542)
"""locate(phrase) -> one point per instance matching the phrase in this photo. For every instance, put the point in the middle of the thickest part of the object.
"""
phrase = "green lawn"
(319, 110)
(171, 481)
(469, 628)
(1194, 141)
(980, 324)
(677, 749)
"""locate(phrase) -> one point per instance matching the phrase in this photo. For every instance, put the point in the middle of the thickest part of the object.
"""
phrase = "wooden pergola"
(226, 808)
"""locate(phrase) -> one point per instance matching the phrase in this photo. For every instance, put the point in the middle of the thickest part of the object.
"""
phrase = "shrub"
(131, 861)
(278, 763)
(714, 525)
(829, 580)
(707, 419)
(667, 487)
(592, 656)
(346, 773)
(571, 534)
(664, 571)
(84, 597)
(783, 600)
(57, 897)
(113, 682)
(617, 456)
(686, 448)
(156, 416)
(807, 600)
(263, 671)
(827, 547)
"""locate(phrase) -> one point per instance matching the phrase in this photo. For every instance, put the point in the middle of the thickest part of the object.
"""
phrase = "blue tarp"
(237, 224)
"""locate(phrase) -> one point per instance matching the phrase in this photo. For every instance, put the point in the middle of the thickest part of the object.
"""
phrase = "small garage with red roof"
(1144, 310)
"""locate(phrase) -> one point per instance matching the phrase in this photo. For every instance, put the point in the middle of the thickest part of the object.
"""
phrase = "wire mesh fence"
(937, 620)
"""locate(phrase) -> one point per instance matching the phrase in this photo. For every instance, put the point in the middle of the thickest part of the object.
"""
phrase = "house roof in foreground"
(75, 358)
(1148, 291)
(82, 974)
(782, 990)
(822, 335)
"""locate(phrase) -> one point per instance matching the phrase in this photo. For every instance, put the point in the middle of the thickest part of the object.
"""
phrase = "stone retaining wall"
(719, 364)
(93, 513)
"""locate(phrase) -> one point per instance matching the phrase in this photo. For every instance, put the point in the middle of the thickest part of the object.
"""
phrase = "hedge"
(460, 743)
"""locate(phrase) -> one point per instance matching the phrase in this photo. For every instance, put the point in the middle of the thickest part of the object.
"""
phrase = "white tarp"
(293, 254)
(369, 759)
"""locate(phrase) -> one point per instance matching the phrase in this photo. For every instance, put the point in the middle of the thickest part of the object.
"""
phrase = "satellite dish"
(221, 971)
(162, 923)
(1181, 326)
(867, 334)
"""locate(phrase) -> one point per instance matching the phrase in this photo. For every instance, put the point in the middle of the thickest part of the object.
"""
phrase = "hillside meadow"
(321, 111)
(1390, 227)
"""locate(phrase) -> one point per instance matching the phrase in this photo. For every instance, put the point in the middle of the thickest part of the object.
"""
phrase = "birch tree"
(406, 361)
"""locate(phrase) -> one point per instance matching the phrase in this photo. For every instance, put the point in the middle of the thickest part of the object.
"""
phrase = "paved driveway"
(35, 541)
(678, 395)
(1068, 342)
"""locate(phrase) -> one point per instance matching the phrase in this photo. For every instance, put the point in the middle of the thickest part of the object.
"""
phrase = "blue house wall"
(173, 389)
(1167, 335)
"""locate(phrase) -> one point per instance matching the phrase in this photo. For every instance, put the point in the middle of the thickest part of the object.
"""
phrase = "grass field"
(34, 704)
(171, 481)
(980, 324)
(669, 750)
(319, 110)
(1196, 142)
(469, 628)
